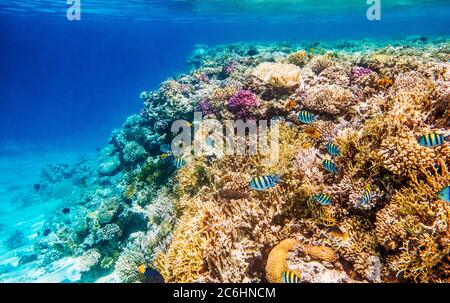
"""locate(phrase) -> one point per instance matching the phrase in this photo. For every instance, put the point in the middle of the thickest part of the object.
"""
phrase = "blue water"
(65, 85)
(69, 83)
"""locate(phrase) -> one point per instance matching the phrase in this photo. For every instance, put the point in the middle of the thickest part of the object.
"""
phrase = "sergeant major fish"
(367, 196)
(433, 139)
(333, 149)
(289, 277)
(330, 166)
(324, 199)
(264, 182)
(306, 117)
(178, 162)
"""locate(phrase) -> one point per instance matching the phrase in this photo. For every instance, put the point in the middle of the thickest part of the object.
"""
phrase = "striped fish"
(367, 196)
(444, 194)
(324, 199)
(433, 139)
(289, 277)
(333, 149)
(178, 162)
(306, 117)
(264, 182)
(164, 148)
(329, 166)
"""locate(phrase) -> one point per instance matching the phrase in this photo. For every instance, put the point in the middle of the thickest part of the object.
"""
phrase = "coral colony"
(359, 191)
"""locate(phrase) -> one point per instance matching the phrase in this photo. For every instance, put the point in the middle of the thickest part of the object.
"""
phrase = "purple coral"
(359, 71)
(242, 102)
(206, 107)
(228, 68)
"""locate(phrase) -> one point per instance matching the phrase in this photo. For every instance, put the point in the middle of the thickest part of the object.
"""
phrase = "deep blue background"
(70, 83)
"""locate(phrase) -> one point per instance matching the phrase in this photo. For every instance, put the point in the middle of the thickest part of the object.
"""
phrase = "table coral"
(278, 75)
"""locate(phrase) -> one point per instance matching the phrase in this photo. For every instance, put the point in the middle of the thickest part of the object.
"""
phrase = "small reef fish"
(37, 187)
(330, 166)
(324, 199)
(178, 162)
(312, 132)
(66, 210)
(264, 182)
(367, 196)
(289, 277)
(444, 194)
(433, 139)
(333, 149)
(46, 232)
(231, 194)
(336, 232)
(385, 82)
(163, 156)
(164, 148)
(306, 117)
(290, 104)
(152, 275)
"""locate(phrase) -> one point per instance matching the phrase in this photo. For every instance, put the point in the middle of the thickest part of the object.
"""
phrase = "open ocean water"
(65, 85)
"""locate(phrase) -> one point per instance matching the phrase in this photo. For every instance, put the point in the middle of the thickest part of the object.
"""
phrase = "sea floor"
(24, 211)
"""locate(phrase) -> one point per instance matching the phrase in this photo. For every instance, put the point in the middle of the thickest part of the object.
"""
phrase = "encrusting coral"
(277, 260)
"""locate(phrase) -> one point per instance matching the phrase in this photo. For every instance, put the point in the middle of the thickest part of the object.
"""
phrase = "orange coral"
(276, 262)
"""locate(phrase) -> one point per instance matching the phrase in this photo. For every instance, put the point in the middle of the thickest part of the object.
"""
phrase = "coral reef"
(202, 222)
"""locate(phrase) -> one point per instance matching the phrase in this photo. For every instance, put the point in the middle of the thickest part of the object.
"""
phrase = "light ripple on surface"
(226, 10)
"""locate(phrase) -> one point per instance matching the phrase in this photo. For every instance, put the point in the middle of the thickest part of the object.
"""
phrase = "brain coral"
(277, 260)
(278, 75)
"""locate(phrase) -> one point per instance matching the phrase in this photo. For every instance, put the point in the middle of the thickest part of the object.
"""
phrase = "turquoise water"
(66, 85)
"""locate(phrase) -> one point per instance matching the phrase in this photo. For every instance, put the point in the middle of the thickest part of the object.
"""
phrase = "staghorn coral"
(299, 58)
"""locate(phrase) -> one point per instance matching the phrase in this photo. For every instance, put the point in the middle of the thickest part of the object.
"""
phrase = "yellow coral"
(277, 260)
(299, 58)
(322, 253)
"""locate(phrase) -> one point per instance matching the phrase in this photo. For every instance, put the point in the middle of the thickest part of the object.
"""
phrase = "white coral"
(278, 75)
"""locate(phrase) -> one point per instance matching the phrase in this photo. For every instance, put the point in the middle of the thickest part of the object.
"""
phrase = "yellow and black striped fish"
(367, 196)
(330, 166)
(324, 199)
(306, 117)
(264, 182)
(289, 277)
(433, 139)
(333, 149)
(178, 162)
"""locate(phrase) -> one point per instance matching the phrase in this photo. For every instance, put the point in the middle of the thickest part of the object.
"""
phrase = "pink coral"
(359, 71)
(242, 103)
(206, 107)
